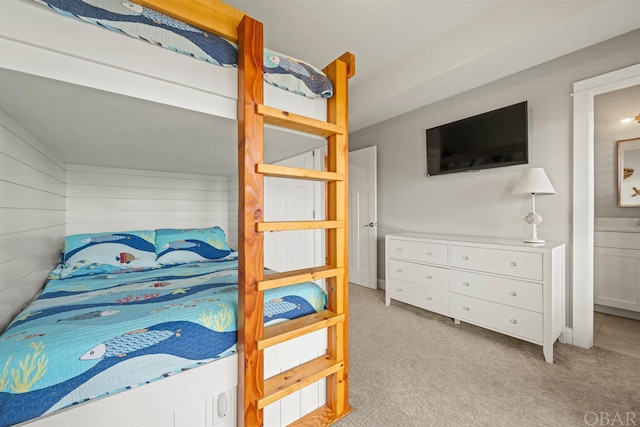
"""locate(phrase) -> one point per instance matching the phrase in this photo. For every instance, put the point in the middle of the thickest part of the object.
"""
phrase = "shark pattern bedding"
(91, 336)
(146, 24)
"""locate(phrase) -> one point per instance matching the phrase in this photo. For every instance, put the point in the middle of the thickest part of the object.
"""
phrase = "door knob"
(371, 224)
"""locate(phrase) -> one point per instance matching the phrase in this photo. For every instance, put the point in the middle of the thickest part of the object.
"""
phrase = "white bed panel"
(183, 400)
(190, 399)
(289, 355)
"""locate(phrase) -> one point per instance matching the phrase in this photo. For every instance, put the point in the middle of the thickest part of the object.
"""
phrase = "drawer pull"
(398, 249)
(514, 264)
(429, 277)
(466, 258)
(466, 308)
(428, 253)
(513, 294)
(465, 284)
(398, 270)
(399, 290)
(428, 298)
(514, 321)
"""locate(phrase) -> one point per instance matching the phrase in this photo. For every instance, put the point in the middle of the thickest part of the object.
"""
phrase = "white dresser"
(504, 285)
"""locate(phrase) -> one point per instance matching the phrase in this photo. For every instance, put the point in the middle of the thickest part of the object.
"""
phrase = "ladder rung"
(298, 173)
(285, 119)
(276, 280)
(282, 385)
(323, 416)
(297, 225)
(291, 329)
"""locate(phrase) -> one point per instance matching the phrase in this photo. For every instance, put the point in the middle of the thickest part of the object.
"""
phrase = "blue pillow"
(117, 252)
(176, 246)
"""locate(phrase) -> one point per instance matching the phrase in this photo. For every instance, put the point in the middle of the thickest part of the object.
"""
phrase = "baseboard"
(567, 336)
(381, 284)
(616, 311)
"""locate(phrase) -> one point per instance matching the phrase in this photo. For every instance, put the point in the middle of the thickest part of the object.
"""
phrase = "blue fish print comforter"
(146, 24)
(90, 336)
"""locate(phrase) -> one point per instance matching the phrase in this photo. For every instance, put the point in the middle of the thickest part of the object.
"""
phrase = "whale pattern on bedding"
(146, 24)
(91, 336)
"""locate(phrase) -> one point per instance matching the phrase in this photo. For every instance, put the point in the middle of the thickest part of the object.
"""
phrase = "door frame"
(373, 249)
(584, 92)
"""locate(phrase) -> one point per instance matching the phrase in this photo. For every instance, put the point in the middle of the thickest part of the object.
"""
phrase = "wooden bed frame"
(254, 393)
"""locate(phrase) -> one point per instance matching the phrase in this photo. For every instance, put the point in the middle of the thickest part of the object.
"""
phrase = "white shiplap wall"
(32, 216)
(111, 199)
(232, 234)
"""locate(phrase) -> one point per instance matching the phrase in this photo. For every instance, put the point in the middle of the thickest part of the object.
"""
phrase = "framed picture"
(629, 172)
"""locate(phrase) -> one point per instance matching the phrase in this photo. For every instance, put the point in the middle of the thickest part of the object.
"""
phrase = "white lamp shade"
(534, 181)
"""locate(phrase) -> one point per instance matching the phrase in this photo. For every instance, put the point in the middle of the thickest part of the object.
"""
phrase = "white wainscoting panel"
(113, 199)
(32, 216)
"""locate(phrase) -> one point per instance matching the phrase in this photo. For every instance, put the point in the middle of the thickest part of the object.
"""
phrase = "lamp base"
(534, 231)
(535, 241)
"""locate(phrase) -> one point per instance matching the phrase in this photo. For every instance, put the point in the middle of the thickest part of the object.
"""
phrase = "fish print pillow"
(178, 246)
(117, 252)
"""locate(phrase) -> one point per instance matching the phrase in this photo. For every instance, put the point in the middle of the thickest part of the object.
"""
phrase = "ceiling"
(409, 53)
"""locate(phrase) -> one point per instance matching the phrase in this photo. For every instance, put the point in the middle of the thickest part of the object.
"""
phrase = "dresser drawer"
(420, 296)
(526, 265)
(432, 253)
(513, 321)
(511, 292)
(427, 275)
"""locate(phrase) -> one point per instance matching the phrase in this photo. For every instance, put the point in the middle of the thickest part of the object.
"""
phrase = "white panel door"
(291, 200)
(363, 217)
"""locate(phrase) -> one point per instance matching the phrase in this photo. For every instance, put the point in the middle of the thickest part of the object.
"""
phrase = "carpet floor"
(410, 367)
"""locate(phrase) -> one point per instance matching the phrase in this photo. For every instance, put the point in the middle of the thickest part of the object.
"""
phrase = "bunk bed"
(310, 348)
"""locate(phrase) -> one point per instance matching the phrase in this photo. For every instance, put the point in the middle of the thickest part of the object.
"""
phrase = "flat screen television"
(489, 140)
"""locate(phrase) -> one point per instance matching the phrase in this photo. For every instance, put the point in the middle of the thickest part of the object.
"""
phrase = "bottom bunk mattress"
(91, 336)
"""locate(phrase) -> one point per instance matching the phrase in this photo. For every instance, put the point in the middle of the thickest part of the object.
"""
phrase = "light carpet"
(410, 367)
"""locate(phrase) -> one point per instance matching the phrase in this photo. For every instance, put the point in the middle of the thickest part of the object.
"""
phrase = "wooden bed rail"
(213, 16)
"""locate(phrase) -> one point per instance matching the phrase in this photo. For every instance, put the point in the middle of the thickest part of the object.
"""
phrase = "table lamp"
(533, 181)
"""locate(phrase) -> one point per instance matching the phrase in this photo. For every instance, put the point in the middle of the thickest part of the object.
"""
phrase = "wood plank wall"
(32, 216)
(112, 199)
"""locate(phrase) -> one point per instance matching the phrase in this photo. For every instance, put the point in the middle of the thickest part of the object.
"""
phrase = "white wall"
(609, 108)
(32, 216)
(232, 234)
(110, 199)
(481, 203)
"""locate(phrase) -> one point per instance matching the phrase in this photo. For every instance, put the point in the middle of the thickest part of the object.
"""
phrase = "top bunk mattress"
(36, 40)
(90, 336)
(146, 24)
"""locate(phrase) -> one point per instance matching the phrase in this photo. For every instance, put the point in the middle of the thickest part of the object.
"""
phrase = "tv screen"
(489, 140)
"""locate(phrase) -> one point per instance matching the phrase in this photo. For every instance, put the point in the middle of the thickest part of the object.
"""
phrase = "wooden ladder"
(254, 393)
